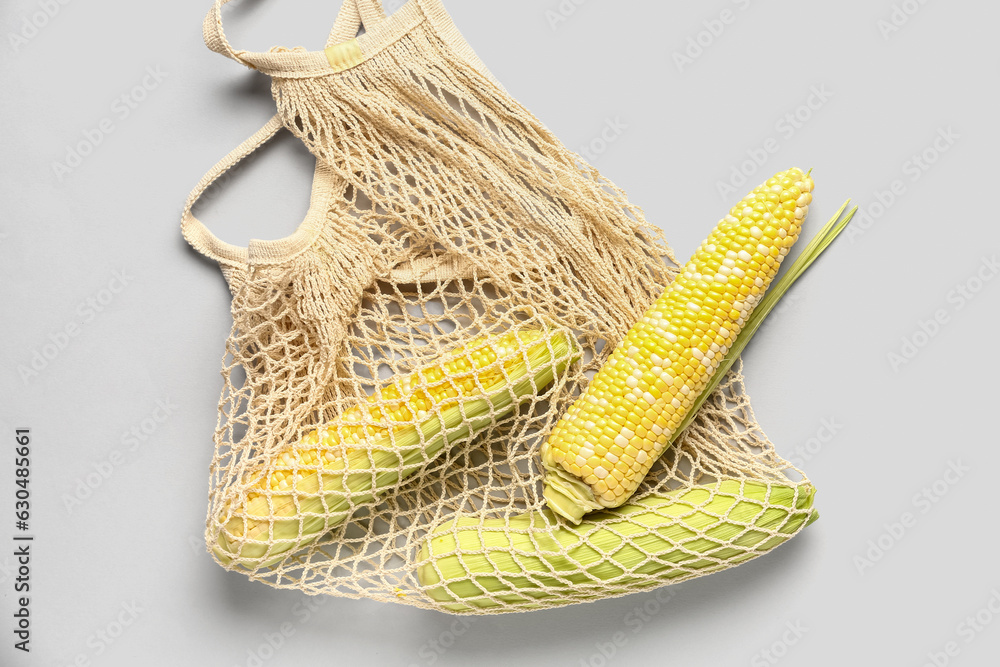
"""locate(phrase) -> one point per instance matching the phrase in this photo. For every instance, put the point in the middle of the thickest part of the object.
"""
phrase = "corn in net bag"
(395, 364)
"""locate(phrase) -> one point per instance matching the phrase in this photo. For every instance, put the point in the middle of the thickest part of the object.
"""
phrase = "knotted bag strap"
(352, 15)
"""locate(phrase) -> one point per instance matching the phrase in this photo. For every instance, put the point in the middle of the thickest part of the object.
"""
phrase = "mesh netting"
(466, 250)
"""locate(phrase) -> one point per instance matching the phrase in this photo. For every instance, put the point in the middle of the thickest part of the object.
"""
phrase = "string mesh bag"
(395, 364)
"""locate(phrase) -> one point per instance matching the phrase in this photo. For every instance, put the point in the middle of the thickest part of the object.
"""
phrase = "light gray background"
(137, 538)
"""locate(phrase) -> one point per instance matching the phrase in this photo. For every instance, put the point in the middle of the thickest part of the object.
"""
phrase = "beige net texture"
(394, 368)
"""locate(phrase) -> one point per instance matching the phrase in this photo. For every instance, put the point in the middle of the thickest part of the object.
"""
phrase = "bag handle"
(352, 15)
(195, 232)
(229, 256)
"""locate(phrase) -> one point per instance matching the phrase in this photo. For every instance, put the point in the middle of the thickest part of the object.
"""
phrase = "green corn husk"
(262, 530)
(532, 561)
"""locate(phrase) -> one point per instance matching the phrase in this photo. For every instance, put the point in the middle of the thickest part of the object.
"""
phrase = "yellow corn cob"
(312, 486)
(531, 561)
(604, 445)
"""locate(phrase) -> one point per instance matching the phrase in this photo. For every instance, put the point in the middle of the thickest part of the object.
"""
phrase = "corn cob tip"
(221, 550)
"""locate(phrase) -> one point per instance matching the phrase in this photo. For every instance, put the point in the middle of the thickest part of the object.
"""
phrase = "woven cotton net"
(455, 216)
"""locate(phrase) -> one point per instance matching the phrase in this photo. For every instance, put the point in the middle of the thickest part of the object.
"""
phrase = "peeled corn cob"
(607, 441)
(532, 561)
(314, 485)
